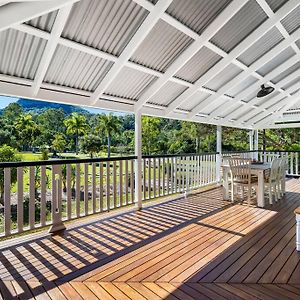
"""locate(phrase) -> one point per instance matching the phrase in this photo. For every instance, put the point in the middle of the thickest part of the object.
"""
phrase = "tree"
(7, 154)
(11, 112)
(110, 124)
(90, 144)
(150, 133)
(50, 122)
(27, 130)
(59, 143)
(76, 125)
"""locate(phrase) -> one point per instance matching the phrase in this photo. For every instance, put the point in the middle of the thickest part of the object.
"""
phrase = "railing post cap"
(297, 211)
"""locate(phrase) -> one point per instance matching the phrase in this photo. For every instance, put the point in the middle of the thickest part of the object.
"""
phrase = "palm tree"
(76, 125)
(110, 125)
(27, 129)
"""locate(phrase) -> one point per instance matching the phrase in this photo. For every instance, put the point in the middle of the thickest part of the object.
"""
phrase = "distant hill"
(40, 106)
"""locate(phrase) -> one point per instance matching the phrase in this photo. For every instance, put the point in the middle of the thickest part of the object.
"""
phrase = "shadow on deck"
(196, 248)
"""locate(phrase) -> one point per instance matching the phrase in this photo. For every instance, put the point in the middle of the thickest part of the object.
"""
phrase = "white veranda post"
(256, 144)
(251, 133)
(219, 155)
(138, 161)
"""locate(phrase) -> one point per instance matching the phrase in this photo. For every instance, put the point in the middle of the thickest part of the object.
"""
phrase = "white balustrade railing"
(165, 175)
(268, 156)
(37, 194)
(43, 193)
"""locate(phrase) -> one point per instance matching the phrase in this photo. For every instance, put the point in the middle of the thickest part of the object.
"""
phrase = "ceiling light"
(264, 91)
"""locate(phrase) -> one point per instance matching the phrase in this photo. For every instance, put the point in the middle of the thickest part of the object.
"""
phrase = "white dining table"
(256, 169)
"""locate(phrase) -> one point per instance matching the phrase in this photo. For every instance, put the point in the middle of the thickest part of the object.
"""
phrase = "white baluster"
(7, 206)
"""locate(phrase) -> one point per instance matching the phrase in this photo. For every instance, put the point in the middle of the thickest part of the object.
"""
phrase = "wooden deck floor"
(195, 248)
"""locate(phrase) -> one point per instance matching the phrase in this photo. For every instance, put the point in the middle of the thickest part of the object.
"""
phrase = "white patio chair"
(240, 176)
(272, 180)
(283, 166)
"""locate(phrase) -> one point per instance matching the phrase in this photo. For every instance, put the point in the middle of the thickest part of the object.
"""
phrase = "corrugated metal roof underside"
(104, 24)
(223, 77)
(76, 69)
(130, 84)
(228, 109)
(237, 28)
(271, 104)
(292, 21)
(291, 83)
(243, 112)
(20, 53)
(208, 109)
(261, 47)
(161, 47)
(287, 72)
(276, 4)
(167, 94)
(194, 100)
(276, 61)
(196, 14)
(242, 86)
(294, 92)
(198, 65)
(44, 22)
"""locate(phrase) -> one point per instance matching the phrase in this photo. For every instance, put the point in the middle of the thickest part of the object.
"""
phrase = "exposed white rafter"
(292, 101)
(58, 26)
(250, 71)
(17, 13)
(237, 51)
(152, 18)
(200, 41)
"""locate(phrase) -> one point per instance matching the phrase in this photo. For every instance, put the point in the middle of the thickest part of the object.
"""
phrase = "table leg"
(260, 189)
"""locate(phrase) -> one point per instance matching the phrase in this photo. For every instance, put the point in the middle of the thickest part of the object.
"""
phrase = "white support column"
(256, 144)
(219, 155)
(251, 141)
(297, 212)
(138, 161)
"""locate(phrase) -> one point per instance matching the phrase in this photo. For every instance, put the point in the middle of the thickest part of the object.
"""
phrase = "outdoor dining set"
(252, 180)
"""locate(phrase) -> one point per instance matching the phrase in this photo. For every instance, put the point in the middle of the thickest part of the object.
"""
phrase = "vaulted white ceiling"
(197, 60)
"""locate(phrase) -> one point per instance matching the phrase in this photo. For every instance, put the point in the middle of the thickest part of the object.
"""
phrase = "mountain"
(40, 106)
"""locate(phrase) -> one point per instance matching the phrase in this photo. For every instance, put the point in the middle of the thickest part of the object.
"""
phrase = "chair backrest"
(283, 166)
(240, 168)
(275, 169)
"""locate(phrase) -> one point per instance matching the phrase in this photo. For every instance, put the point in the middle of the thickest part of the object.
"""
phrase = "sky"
(4, 101)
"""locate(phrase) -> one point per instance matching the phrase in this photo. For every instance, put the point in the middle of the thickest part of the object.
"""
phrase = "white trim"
(58, 26)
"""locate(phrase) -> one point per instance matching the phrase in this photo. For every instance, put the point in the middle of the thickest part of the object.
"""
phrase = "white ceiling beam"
(263, 80)
(237, 51)
(255, 86)
(150, 21)
(287, 104)
(250, 71)
(17, 13)
(95, 52)
(49, 93)
(269, 106)
(279, 126)
(58, 26)
(199, 42)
